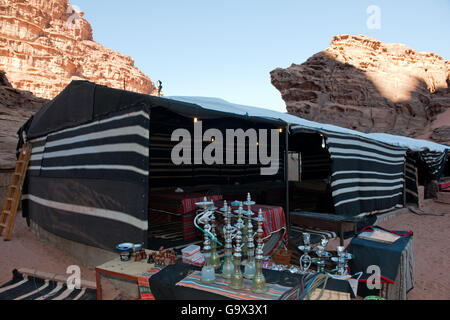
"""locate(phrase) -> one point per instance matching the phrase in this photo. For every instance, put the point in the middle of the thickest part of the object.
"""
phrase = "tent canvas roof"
(225, 106)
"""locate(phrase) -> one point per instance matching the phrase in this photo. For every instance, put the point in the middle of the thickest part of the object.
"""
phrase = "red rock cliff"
(44, 44)
(363, 84)
(16, 107)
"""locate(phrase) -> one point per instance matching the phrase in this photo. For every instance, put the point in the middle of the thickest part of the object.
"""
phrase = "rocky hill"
(16, 107)
(44, 44)
(366, 85)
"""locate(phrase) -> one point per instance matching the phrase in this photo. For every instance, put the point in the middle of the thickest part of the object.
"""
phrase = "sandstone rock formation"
(363, 84)
(44, 44)
(16, 107)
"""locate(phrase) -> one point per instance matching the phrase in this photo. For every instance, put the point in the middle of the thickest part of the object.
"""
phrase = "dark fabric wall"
(435, 162)
(367, 176)
(89, 183)
(164, 173)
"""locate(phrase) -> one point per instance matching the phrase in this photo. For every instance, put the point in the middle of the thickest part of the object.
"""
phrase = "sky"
(227, 49)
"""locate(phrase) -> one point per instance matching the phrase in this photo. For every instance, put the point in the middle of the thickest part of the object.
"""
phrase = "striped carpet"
(25, 287)
(221, 287)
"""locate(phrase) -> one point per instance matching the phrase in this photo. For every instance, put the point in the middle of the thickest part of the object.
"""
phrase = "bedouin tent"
(88, 178)
(367, 170)
(366, 175)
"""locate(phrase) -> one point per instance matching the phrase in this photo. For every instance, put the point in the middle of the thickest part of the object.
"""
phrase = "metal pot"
(137, 247)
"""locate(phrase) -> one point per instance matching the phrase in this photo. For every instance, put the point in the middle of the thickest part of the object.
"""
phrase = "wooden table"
(164, 285)
(129, 270)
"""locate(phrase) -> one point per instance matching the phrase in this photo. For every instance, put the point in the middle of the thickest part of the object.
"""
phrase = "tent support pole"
(286, 177)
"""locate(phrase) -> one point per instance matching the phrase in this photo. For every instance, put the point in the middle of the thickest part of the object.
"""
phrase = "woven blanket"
(26, 287)
(144, 285)
(220, 287)
(180, 207)
(444, 185)
(178, 202)
(314, 231)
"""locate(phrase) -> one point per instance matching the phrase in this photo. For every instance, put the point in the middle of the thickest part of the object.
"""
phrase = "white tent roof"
(225, 106)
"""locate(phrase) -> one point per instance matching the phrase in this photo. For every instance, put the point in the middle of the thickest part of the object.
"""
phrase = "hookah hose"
(302, 292)
(305, 289)
(321, 280)
(207, 233)
(306, 277)
(318, 279)
(382, 281)
(370, 228)
(299, 290)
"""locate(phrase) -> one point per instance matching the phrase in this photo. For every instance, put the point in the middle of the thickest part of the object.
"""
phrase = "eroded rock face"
(441, 135)
(16, 107)
(44, 44)
(363, 84)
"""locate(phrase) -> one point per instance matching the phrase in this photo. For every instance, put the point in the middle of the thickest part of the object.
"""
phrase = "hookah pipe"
(208, 274)
(247, 217)
(249, 270)
(259, 282)
(215, 259)
(341, 260)
(322, 255)
(237, 279)
(228, 228)
(229, 233)
(305, 259)
(210, 254)
(203, 218)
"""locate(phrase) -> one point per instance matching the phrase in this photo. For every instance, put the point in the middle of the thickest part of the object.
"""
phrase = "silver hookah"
(259, 281)
(228, 231)
(239, 227)
(322, 255)
(224, 208)
(215, 258)
(244, 214)
(249, 212)
(249, 270)
(305, 259)
(342, 260)
(259, 231)
(237, 279)
(208, 273)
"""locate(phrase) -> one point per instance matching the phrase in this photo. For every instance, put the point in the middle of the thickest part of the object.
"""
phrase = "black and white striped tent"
(92, 149)
(367, 170)
(367, 175)
(88, 178)
(435, 161)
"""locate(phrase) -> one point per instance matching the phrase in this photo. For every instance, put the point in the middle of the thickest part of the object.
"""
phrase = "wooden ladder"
(14, 195)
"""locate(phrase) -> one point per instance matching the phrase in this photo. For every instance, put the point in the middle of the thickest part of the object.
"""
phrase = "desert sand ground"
(431, 245)
(25, 250)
